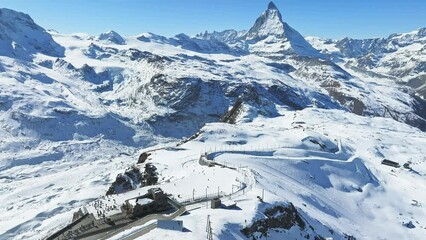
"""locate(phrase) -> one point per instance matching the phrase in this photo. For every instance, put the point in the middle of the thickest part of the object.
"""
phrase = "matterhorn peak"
(272, 6)
(269, 23)
(269, 29)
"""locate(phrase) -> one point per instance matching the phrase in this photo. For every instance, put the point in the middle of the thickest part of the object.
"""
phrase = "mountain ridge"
(14, 28)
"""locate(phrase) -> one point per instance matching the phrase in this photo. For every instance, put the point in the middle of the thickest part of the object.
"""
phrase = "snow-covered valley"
(286, 123)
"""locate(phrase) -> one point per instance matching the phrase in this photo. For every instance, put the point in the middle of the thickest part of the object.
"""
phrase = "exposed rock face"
(232, 115)
(419, 84)
(126, 182)
(150, 175)
(143, 157)
(86, 73)
(133, 178)
(278, 218)
(227, 36)
(98, 52)
(200, 45)
(192, 102)
(357, 48)
(284, 221)
(137, 55)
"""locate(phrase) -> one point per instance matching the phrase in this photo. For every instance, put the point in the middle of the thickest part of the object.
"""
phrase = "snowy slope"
(20, 37)
(348, 191)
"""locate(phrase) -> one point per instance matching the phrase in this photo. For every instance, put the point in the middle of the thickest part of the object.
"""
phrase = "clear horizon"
(326, 19)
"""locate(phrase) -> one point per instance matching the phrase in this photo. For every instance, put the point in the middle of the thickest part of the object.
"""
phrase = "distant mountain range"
(175, 79)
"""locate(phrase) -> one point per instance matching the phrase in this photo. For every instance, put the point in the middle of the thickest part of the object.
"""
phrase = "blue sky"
(324, 18)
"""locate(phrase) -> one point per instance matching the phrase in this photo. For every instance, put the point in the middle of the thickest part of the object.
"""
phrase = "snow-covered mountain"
(20, 37)
(269, 36)
(272, 38)
(400, 57)
(111, 37)
(308, 121)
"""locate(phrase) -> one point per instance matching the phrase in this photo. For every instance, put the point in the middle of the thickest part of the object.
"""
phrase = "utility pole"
(193, 194)
(209, 229)
(232, 191)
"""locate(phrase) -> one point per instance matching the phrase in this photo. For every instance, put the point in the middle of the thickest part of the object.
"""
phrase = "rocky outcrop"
(133, 178)
(127, 181)
(143, 157)
(278, 218)
(232, 115)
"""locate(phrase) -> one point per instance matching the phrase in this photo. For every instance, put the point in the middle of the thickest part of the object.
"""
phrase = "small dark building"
(229, 204)
(390, 163)
(154, 201)
(215, 203)
(407, 165)
(157, 194)
(77, 215)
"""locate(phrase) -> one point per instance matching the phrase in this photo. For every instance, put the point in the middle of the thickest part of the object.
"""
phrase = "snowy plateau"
(292, 130)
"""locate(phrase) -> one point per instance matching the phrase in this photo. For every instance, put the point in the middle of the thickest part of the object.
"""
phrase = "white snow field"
(345, 188)
(349, 191)
(314, 125)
